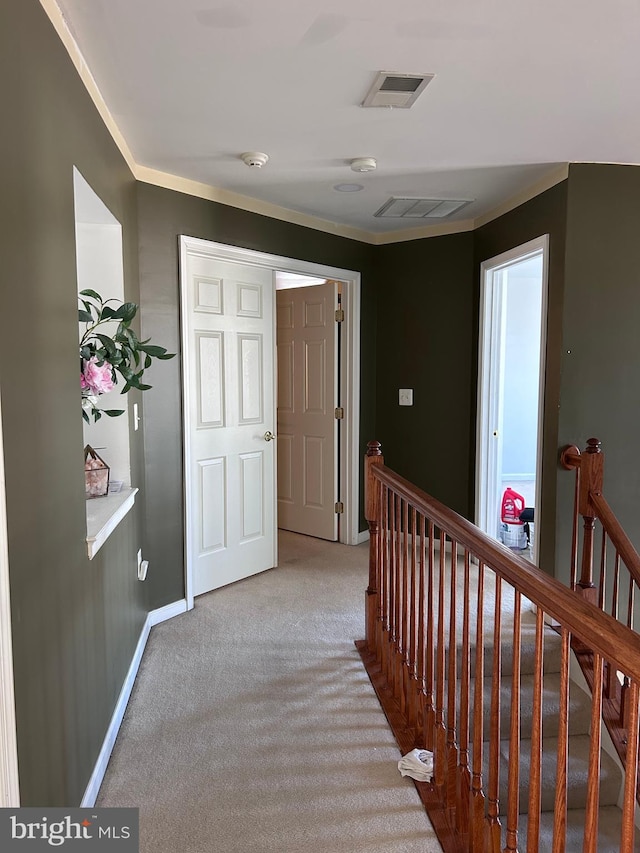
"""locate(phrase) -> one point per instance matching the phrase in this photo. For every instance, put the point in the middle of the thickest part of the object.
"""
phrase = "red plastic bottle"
(512, 506)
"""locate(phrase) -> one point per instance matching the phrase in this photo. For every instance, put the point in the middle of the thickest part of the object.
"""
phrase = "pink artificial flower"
(97, 378)
(84, 386)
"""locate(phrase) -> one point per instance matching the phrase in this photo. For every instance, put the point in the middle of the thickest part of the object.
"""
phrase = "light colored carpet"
(253, 727)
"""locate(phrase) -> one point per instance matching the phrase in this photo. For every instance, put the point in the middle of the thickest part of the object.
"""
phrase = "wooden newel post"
(591, 480)
(372, 514)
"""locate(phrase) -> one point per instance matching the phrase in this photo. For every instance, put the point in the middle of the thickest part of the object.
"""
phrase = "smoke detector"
(364, 164)
(254, 159)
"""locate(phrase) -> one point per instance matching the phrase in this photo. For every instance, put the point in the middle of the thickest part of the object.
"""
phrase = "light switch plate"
(405, 397)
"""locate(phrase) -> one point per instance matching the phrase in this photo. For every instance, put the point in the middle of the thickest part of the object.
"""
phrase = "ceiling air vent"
(420, 208)
(396, 90)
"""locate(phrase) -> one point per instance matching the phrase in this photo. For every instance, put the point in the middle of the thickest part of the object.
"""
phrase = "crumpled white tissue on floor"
(418, 764)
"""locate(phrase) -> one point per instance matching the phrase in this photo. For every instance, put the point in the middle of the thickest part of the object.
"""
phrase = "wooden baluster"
(404, 615)
(372, 511)
(631, 773)
(463, 775)
(575, 531)
(535, 762)
(452, 746)
(393, 561)
(602, 581)
(513, 795)
(439, 775)
(397, 616)
(413, 627)
(477, 794)
(591, 478)
(611, 670)
(421, 639)
(560, 807)
(624, 692)
(429, 712)
(493, 826)
(384, 587)
(590, 844)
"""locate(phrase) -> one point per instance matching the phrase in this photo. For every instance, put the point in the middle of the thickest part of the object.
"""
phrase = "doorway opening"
(228, 307)
(309, 412)
(513, 312)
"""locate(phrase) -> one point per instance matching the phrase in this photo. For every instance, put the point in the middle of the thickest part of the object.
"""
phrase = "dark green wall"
(75, 623)
(425, 336)
(600, 353)
(544, 214)
(163, 216)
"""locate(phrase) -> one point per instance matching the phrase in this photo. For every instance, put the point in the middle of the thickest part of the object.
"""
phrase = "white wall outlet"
(143, 565)
(405, 397)
(136, 417)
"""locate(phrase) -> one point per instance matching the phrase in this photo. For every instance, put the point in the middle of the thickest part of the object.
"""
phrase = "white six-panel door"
(307, 427)
(228, 343)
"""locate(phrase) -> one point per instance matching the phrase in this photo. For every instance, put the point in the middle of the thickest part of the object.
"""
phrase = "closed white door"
(228, 349)
(307, 426)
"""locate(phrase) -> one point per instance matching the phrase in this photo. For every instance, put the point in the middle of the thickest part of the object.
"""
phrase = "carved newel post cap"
(373, 448)
(594, 445)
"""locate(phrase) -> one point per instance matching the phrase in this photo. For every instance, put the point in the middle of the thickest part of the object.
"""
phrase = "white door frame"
(349, 373)
(9, 782)
(488, 358)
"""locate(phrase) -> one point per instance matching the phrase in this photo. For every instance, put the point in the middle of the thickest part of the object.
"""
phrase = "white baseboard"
(363, 536)
(153, 618)
(167, 612)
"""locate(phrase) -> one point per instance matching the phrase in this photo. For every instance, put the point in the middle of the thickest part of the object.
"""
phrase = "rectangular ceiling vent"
(420, 208)
(396, 90)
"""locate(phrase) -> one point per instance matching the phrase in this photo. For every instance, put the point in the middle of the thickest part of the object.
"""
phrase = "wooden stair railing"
(614, 591)
(427, 655)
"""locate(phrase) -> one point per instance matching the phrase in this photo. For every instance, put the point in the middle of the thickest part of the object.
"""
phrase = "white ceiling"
(519, 89)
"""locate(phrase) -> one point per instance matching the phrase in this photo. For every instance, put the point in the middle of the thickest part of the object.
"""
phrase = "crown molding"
(253, 205)
(553, 177)
(208, 192)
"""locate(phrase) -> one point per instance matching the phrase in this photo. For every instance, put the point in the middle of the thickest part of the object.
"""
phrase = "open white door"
(513, 315)
(307, 425)
(9, 788)
(228, 364)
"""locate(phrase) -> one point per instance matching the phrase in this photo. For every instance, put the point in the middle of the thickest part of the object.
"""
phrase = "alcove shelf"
(104, 515)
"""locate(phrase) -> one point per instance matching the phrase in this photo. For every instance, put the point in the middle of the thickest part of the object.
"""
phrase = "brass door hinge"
(339, 413)
(339, 507)
(340, 315)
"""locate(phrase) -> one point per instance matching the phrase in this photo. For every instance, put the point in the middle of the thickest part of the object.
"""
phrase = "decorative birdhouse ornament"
(96, 474)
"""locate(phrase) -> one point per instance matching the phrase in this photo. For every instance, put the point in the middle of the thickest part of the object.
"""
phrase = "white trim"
(97, 777)
(162, 614)
(486, 353)
(104, 515)
(363, 536)
(350, 372)
(9, 780)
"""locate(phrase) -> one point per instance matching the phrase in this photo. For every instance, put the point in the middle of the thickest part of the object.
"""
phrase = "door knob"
(269, 436)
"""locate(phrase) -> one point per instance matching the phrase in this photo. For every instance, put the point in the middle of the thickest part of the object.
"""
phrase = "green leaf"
(97, 414)
(142, 387)
(85, 416)
(113, 413)
(126, 388)
(108, 344)
(85, 352)
(92, 294)
(152, 350)
(126, 312)
(167, 356)
(125, 371)
(84, 316)
(147, 362)
(107, 313)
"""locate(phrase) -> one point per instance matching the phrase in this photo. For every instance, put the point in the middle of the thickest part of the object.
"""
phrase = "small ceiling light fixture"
(348, 188)
(364, 164)
(254, 159)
